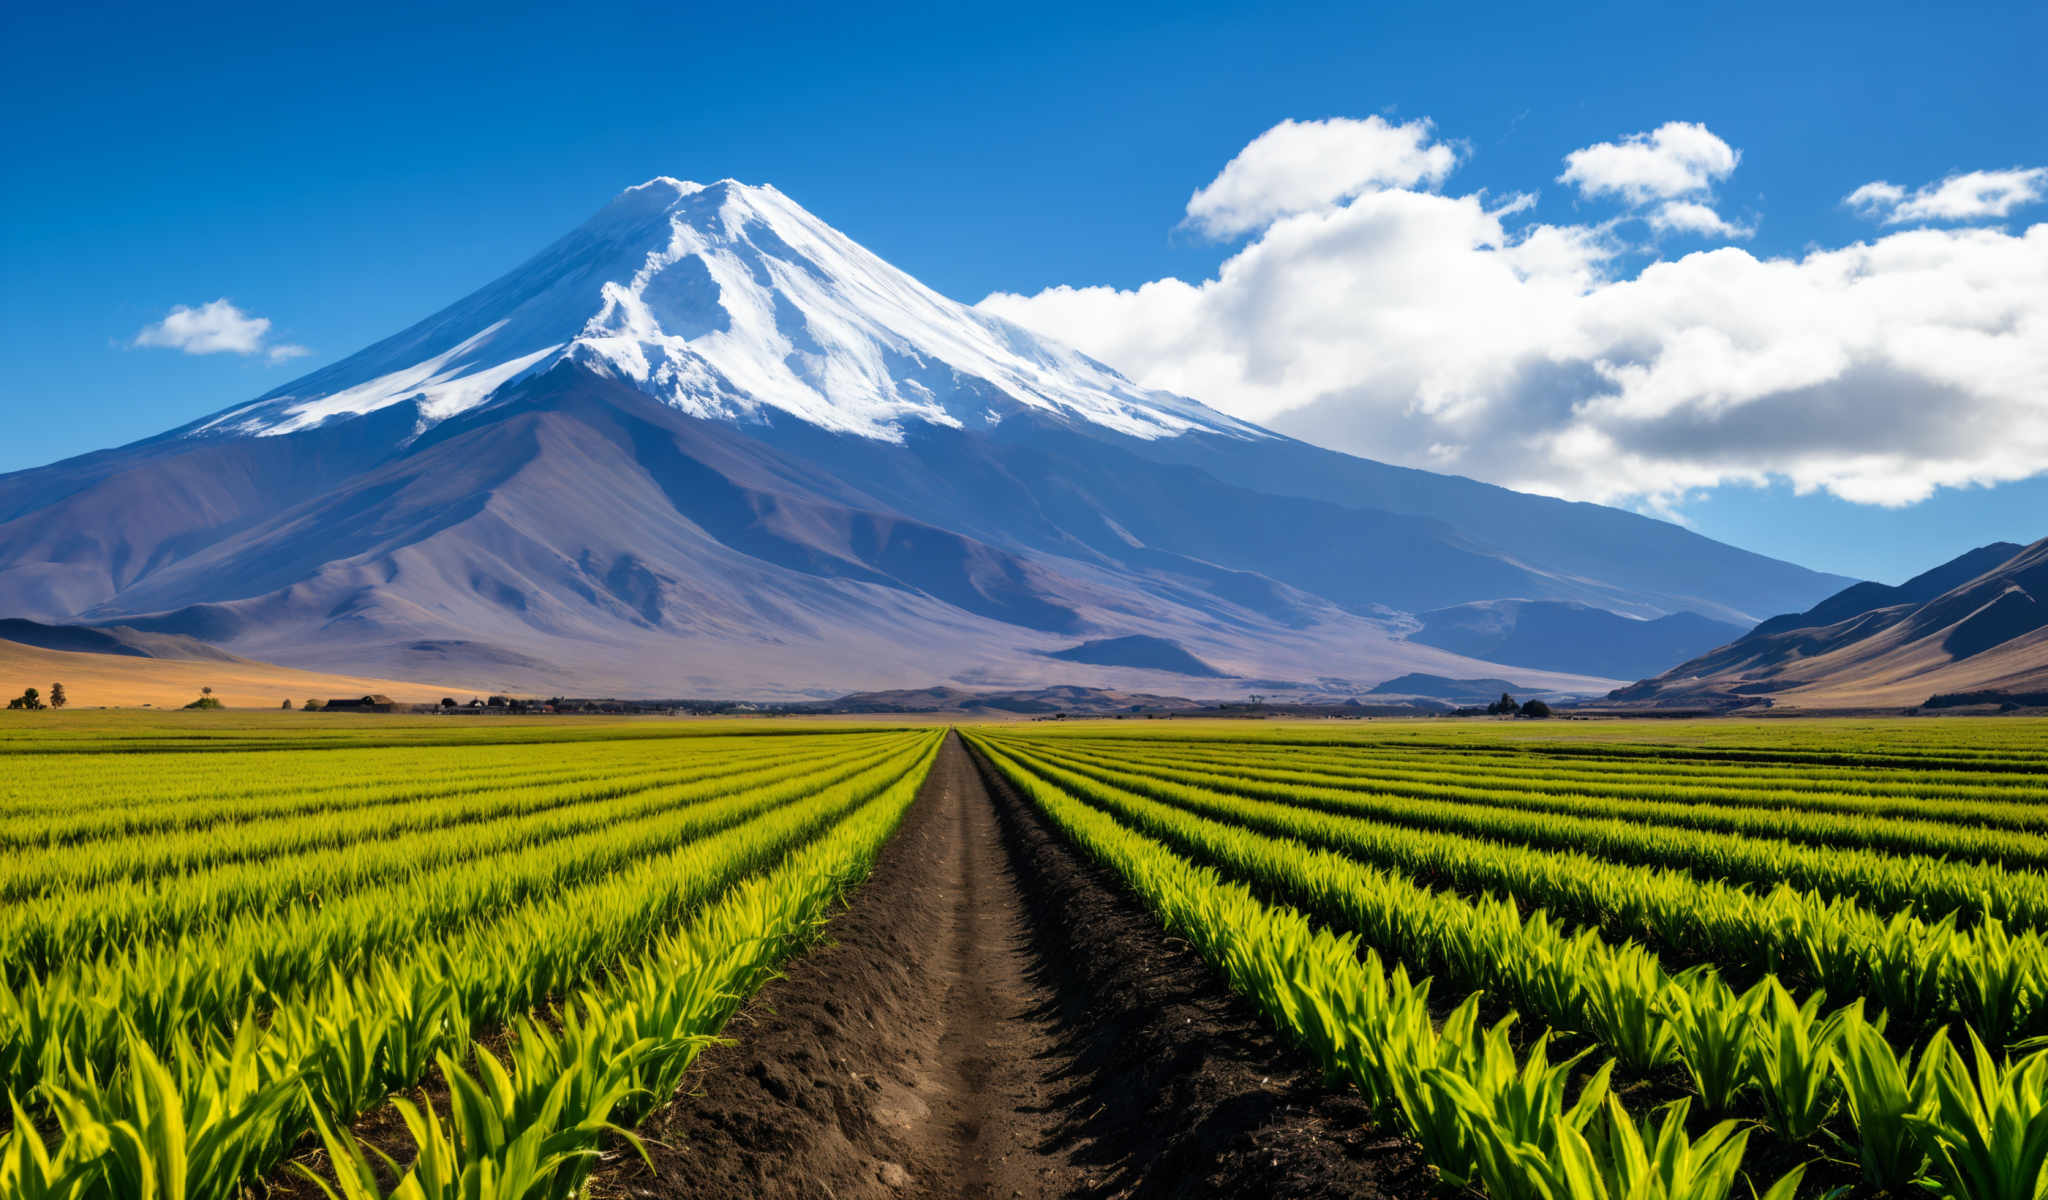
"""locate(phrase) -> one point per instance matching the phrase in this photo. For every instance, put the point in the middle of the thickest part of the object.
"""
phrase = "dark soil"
(995, 1016)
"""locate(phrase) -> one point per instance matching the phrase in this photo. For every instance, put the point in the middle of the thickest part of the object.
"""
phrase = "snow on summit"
(726, 300)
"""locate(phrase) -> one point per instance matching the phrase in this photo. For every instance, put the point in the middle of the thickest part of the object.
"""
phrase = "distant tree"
(311, 706)
(31, 698)
(57, 697)
(287, 705)
(447, 702)
(205, 702)
(1535, 708)
(206, 691)
(1505, 706)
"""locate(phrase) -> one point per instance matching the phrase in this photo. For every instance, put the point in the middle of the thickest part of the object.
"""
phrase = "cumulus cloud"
(1432, 330)
(1298, 166)
(1678, 158)
(1968, 196)
(1876, 199)
(217, 327)
(1667, 175)
(1690, 216)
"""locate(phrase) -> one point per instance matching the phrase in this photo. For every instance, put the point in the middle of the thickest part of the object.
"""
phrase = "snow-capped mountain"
(705, 444)
(724, 301)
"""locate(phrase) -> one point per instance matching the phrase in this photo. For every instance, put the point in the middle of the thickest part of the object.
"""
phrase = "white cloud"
(1875, 199)
(1969, 196)
(1430, 330)
(1299, 166)
(1678, 158)
(1670, 172)
(1689, 216)
(217, 327)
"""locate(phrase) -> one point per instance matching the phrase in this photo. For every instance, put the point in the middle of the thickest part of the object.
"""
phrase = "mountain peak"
(727, 301)
(660, 194)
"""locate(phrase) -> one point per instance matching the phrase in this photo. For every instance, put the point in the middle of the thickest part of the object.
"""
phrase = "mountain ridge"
(585, 524)
(723, 300)
(1963, 626)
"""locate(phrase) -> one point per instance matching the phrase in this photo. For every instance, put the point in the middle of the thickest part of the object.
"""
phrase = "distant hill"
(1140, 651)
(125, 679)
(112, 639)
(1857, 599)
(1455, 691)
(1556, 635)
(1031, 700)
(1974, 624)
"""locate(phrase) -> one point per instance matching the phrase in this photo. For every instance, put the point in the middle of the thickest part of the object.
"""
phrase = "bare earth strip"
(993, 1018)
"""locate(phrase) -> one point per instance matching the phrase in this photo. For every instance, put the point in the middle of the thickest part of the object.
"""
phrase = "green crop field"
(1615, 959)
(224, 937)
(1654, 960)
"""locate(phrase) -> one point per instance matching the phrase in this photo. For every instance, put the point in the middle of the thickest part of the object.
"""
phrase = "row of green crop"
(1958, 836)
(1978, 1126)
(606, 1046)
(232, 800)
(2016, 806)
(312, 785)
(1483, 1113)
(75, 924)
(281, 929)
(1802, 1065)
(192, 989)
(1885, 881)
(79, 734)
(654, 970)
(386, 815)
(1922, 973)
(1930, 828)
(1533, 755)
(1989, 748)
(392, 815)
(58, 785)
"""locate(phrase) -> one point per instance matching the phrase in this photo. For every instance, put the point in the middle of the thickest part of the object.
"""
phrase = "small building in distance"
(377, 704)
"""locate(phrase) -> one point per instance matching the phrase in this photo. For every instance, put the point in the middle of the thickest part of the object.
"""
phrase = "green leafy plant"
(1987, 1135)
(1622, 1160)
(1884, 1092)
(1714, 1030)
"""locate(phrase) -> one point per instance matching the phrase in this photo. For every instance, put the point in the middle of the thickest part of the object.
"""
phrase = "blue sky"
(344, 171)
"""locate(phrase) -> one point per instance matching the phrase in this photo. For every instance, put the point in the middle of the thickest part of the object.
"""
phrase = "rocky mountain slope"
(705, 444)
(1976, 623)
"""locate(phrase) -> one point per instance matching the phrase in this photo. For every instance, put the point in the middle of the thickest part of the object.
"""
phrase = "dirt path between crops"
(992, 1017)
